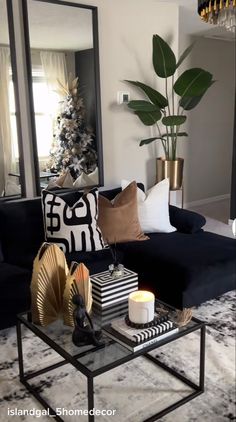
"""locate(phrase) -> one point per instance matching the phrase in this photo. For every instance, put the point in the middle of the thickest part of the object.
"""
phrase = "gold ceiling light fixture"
(218, 12)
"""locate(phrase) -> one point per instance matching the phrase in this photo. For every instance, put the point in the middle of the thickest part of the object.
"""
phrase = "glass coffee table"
(92, 361)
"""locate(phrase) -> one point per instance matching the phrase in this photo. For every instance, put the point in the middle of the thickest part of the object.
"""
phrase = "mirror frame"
(12, 46)
(98, 117)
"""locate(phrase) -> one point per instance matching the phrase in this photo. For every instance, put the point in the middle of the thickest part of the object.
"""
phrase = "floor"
(219, 210)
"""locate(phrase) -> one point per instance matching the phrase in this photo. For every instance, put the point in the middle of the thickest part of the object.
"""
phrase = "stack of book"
(136, 339)
(107, 290)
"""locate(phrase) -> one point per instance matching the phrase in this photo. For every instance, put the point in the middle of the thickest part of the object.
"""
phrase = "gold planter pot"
(173, 169)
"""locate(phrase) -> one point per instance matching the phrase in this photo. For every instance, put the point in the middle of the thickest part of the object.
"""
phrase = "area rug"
(137, 389)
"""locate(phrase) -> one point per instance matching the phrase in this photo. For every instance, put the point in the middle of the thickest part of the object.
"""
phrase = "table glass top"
(94, 358)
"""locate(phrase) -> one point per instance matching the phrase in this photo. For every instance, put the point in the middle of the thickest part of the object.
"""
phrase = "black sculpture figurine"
(84, 333)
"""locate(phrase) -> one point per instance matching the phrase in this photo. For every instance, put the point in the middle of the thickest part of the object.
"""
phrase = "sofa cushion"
(118, 220)
(96, 261)
(21, 231)
(73, 228)
(186, 221)
(15, 288)
(184, 270)
(1, 254)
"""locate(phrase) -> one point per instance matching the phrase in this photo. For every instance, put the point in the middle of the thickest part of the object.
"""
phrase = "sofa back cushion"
(1, 254)
(21, 230)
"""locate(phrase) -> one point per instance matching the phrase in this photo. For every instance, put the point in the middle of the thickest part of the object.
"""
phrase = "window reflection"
(45, 104)
(9, 153)
(64, 93)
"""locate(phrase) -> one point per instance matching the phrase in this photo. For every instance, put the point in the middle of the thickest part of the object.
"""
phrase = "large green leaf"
(148, 141)
(173, 120)
(150, 118)
(140, 105)
(178, 134)
(153, 95)
(184, 54)
(193, 82)
(164, 61)
(188, 103)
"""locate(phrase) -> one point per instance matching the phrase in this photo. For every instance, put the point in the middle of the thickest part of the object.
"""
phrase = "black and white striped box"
(107, 290)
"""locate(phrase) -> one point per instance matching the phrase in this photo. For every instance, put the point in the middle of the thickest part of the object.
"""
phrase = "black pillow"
(186, 221)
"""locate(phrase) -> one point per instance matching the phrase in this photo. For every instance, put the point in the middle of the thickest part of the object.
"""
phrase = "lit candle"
(141, 307)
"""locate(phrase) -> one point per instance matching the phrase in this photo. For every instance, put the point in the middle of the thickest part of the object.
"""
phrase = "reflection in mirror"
(64, 94)
(9, 152)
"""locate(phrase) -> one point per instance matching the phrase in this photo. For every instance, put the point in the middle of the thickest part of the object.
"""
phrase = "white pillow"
(153, 207)
(90, 179)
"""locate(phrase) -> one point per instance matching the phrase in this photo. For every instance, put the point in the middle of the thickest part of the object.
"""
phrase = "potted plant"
(182, 93)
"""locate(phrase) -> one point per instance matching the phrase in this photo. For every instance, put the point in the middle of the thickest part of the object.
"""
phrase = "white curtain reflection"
(7, 161)
(54, 68)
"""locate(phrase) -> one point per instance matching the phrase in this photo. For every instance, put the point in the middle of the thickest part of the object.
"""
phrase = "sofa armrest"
(186, 221)
(1, 254)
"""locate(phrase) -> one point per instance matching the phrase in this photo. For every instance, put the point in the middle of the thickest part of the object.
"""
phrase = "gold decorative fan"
(48, 283)
(78, 282)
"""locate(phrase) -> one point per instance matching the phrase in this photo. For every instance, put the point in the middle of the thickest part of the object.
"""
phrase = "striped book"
(137, 339)
(107, 290)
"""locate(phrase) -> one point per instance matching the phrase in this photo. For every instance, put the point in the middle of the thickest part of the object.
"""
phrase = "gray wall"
(210, 126)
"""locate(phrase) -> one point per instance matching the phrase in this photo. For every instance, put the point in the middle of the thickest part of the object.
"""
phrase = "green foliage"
(193, 83)
(148, 141)
(149, 118)
(152, 94)
(173, 120)
(164, 61)
(185, 93)
(140, 105)
(184, 55)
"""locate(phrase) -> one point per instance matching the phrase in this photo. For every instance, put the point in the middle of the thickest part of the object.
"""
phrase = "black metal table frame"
(24, 378)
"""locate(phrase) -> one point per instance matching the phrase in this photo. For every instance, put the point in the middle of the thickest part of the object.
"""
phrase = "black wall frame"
(97, 84)
(233, 179)
(17, 103)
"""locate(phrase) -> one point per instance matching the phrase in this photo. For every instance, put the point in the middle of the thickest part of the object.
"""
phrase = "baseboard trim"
(207, 200)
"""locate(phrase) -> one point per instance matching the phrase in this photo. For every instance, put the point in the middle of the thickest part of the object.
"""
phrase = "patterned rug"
(137, 389)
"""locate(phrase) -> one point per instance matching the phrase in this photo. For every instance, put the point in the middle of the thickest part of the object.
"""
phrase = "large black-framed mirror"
(12, 181)
(64, 83)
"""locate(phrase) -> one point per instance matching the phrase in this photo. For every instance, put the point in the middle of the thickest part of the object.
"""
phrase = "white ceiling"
(54, 26)
(4, 38)
(193, 25)
(70, 28)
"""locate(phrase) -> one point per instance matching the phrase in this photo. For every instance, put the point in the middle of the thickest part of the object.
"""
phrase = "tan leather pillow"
(119, 221)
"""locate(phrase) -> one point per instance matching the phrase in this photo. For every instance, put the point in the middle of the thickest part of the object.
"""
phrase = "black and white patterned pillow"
(72, 228)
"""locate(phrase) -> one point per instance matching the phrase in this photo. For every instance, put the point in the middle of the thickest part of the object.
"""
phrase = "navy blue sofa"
(183, 268)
